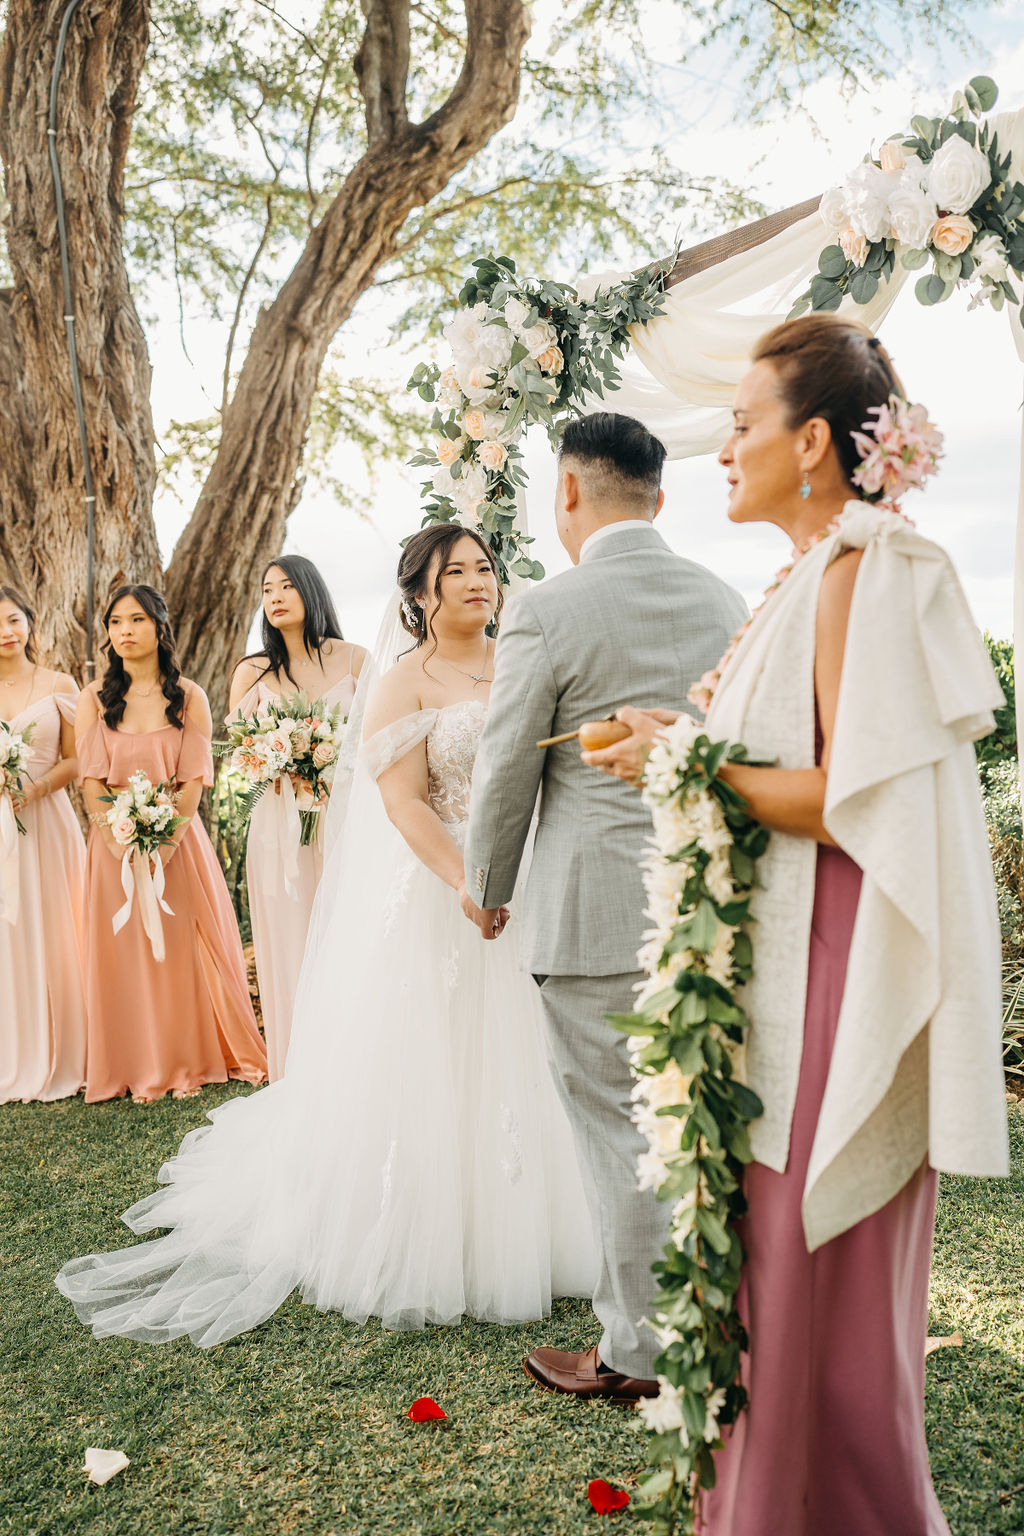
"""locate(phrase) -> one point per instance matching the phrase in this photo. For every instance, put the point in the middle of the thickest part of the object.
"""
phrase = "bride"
(414, 1162)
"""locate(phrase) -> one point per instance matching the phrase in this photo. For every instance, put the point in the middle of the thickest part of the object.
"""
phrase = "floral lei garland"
(523, 352)
(940, 192)
(690, 1107)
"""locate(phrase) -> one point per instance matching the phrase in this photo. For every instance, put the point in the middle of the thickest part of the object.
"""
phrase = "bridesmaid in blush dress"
(42, 1039)
(303, 653)
(172, 1025)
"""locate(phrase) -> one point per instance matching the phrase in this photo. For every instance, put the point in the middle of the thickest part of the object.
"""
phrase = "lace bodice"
(452, 744)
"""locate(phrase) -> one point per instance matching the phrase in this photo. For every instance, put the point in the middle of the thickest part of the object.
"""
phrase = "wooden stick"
(748, 236)
(556, 741)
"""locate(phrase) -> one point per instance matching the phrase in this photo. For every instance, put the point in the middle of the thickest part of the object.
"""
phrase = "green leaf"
(863, 286)
(930, 289)
(825, 295)
(912, 260)
(925, 129)
(986, 91)
(832, 263)
(947, 267)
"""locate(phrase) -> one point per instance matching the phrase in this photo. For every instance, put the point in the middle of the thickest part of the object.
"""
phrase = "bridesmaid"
(176, 1024)
(303, 652)
(42, 1043)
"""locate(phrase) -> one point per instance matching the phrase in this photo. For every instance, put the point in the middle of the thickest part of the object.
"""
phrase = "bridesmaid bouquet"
(12, 763)
(142, 819)
(288, 739)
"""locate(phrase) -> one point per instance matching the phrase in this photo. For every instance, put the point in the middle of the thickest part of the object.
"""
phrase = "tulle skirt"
(413, 1164)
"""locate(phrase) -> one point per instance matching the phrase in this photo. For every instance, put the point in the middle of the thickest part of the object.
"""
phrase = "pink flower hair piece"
(898, 450)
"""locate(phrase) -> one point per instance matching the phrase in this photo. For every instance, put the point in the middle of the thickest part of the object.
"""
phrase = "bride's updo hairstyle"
(431, 548)
(830, 367)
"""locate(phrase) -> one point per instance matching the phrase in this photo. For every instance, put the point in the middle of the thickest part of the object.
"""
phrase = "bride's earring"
(805, 486)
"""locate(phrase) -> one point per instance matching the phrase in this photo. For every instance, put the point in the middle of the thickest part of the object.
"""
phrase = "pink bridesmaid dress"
(833, 1439)
(282, 879)
(163, 1026)
(42, 1038)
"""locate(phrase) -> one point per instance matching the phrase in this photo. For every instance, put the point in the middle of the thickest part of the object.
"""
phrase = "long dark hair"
(831, 367)
(320, 623)
(116, 682)
(414, 572)
(12, 595)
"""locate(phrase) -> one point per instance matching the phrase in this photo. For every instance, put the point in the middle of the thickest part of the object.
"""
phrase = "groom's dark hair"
(624, 460)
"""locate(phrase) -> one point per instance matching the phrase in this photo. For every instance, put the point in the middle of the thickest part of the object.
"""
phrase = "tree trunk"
(42, 497)
(239, 521)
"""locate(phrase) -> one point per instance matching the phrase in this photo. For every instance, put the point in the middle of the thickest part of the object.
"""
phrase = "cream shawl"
(916, 1069)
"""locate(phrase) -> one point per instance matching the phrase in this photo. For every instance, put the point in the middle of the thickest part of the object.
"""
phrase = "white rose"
(867, 199)
(477, 382)
(958, 175)
(461, 332)
(990, 255)
(913, 214)
(539, 337)
(124, 831)
(442, 481)
(515, 312)
(470, 489)
(287, 724)
(323, 730)
(832, 210)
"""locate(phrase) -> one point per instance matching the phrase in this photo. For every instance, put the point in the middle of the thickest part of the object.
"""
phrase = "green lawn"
(300, 1426)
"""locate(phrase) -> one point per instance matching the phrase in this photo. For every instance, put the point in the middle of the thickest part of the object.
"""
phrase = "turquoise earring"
(805, 486)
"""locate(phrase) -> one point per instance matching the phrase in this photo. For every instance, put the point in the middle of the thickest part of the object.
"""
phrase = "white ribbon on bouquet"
(9, 860)
(137, 878)
(278, 831)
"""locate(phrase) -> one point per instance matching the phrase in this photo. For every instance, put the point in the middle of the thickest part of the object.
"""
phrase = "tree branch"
(236, 318)
(382, 68)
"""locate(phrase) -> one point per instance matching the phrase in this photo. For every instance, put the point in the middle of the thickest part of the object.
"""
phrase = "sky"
(962, 365)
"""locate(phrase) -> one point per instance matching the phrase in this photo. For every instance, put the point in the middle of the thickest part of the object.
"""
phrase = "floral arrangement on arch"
(522, 352)
(939, 194)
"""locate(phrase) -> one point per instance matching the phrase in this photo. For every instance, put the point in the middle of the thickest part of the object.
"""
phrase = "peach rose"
(474, 423)
(891, 157)
(492, 455)
(551, 360)
(447, 451)
(124, 831)
(323, 753)
(854, 247)
(953, 234)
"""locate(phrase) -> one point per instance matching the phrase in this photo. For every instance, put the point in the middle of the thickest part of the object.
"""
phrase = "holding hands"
(490, 920)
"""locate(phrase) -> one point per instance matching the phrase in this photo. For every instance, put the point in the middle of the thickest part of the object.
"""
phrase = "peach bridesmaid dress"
(280, 916)
(42, 1036)
(170, 1025)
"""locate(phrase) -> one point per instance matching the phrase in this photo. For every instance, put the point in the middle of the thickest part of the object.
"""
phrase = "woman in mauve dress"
(42, 1035)
(874, 1006)
(170, 1025)
(303, 653)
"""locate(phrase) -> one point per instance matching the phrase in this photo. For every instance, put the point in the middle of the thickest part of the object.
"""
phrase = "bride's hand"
(490, 920)
(627, 759)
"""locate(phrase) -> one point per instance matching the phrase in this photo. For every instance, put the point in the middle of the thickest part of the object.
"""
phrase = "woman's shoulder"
(249, 671)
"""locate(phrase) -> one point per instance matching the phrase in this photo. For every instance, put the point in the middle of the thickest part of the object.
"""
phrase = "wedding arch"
(943, 199)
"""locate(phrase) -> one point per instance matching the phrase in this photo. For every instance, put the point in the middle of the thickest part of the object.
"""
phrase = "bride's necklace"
(476, 677)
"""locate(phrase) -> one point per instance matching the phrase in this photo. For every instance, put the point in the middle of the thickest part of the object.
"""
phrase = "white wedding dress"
(414, 1163)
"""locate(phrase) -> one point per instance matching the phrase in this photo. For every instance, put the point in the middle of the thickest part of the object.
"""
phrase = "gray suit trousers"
(590, 1064)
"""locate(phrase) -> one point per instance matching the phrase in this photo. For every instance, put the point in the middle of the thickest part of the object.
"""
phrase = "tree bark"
(239, 521)
(42, 498)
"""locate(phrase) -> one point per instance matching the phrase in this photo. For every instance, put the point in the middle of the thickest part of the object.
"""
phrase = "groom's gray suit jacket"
(633, 623)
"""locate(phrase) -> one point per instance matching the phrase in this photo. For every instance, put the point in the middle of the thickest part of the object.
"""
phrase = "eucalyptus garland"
(522, 351)
(690, 1106)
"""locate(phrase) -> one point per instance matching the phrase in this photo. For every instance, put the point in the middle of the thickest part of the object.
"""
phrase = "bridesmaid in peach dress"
(172, 1025)
(303, 653)
(42, 1040)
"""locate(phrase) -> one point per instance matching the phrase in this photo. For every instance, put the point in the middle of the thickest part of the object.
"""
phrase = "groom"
(632, 623)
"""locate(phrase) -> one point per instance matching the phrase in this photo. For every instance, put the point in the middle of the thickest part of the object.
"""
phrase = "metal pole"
(69, 326)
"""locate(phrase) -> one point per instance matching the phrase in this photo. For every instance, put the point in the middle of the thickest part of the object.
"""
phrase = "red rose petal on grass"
(605, 1498)
(425, 1408)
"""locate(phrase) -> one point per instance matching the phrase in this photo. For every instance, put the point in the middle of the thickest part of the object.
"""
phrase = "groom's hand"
(490, 920)
(627, 759)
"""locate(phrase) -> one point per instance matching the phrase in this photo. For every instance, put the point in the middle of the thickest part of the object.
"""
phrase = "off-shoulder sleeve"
(67, 703)
(195, 759)
(247, 704)
(380, 751)
(93, 754)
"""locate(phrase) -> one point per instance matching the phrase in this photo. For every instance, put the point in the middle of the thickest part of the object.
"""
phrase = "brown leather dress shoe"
(561, 1371)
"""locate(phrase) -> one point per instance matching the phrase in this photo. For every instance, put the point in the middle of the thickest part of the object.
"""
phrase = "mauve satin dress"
(832, 1443)
(156, 1026)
